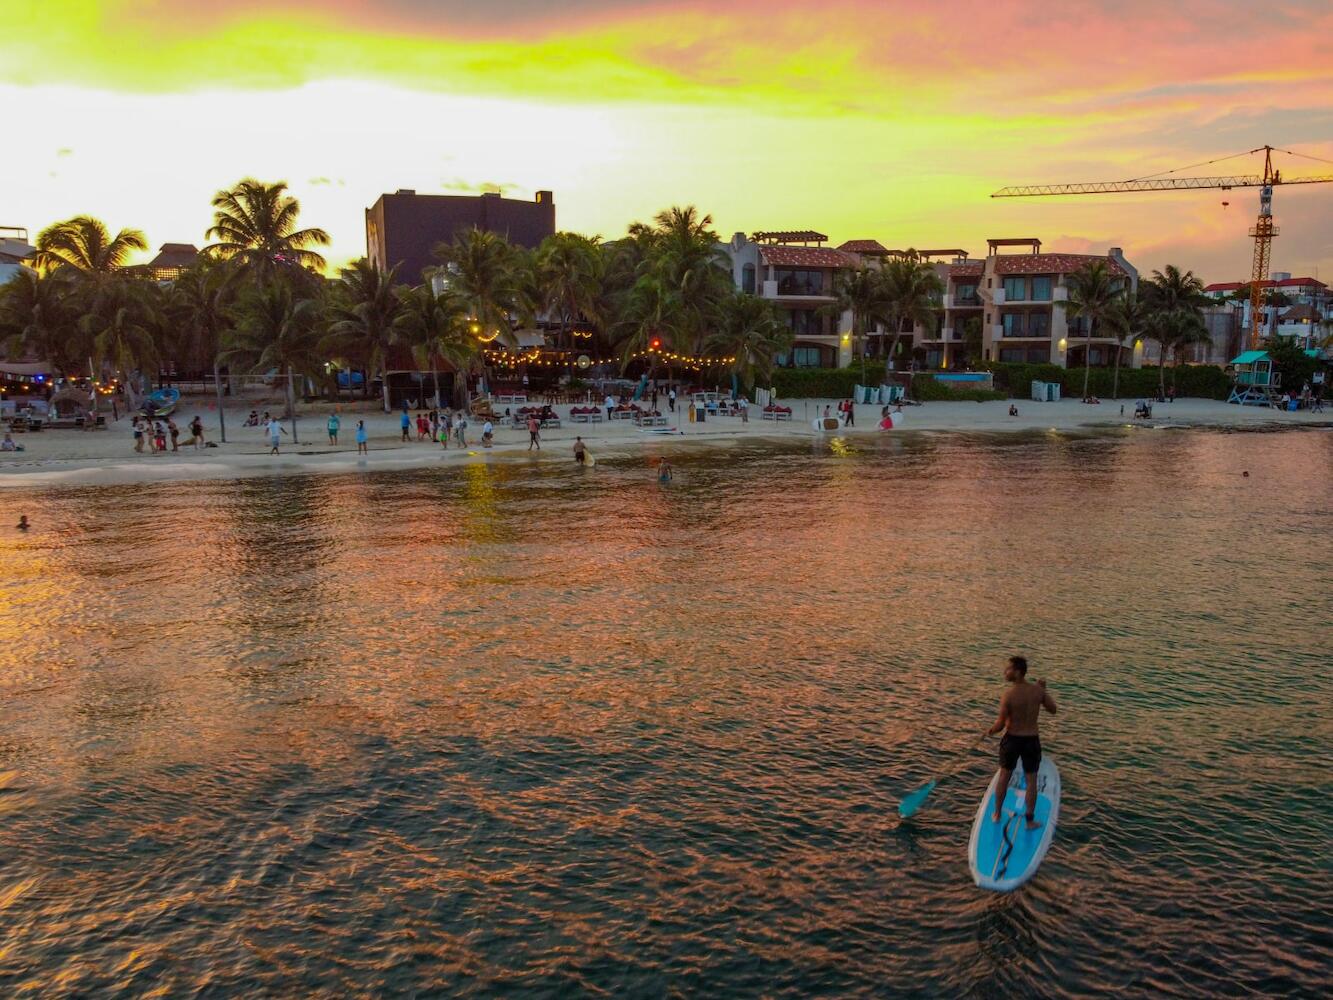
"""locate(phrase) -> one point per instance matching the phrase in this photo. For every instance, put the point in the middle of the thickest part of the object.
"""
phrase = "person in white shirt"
(487, 431)
(275, 431)
(610, 405)
(671, 400)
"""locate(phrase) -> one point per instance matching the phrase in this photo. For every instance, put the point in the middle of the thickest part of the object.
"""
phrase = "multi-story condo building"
(1009, 306)
(1023, 296)
(795, 271)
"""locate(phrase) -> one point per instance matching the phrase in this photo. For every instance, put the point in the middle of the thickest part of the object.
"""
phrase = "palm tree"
(1171, 327)
(122, 324)
(275, 331)
(1093, 293)
(751, 334)
(255, 224)
(1127, 318)
(436, 327)
(38, 318)
(863, 292)
(569, 270)
(684, 257)
(912, 293)
(649, 322)
(1176, 299)
(488, 276)
(364, 306)
(199, 304)
(85, 244)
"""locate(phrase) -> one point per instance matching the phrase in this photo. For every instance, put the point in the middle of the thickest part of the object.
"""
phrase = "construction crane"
(1263, 232)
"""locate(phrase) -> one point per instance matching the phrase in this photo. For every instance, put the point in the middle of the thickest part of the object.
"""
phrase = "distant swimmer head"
(1016, 669)
(23, 522)
(1246, 474)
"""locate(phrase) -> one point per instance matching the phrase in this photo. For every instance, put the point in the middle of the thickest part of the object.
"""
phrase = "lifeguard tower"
(1255, 379)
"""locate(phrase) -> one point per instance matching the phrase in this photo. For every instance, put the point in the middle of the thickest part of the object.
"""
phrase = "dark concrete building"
(406, 227)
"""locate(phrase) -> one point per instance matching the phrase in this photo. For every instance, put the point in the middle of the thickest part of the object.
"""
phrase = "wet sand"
(75, 456)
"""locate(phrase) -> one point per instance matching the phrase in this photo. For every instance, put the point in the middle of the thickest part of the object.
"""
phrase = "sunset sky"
(861, 119)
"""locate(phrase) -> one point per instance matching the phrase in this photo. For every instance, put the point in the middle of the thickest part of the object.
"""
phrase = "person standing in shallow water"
(1020, 705)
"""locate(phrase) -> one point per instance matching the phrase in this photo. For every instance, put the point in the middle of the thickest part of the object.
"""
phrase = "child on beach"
(138, 435)
(197, 432)
(275, 431)
(335, 424)
(361, 447)
(159, 437)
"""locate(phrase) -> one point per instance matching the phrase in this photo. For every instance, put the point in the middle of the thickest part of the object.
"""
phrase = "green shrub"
(825, 383)
(927, 389)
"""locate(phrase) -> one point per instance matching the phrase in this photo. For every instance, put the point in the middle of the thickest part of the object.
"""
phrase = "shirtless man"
(1019, 707)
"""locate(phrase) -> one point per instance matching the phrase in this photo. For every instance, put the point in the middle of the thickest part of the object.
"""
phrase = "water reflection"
(515, 727)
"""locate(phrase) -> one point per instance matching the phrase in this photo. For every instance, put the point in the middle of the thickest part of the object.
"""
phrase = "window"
(1013, 324)
(1039, 324)
(805, 357)
(1041, 288)
(1013, 354)
(1015, 289)
(747, 279)
(804, 322)
(799, 281)
(965, 295)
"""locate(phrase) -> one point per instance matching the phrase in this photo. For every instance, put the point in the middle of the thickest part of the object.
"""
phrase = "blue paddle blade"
(911, 803)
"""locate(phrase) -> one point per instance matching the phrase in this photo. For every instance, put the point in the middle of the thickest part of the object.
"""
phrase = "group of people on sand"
(155, 432)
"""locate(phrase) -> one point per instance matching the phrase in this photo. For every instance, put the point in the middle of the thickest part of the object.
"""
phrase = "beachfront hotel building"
(404, 228)
(1015, 297)
(1020, 294)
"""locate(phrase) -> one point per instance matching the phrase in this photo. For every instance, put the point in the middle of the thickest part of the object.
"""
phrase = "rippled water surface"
(516, 728)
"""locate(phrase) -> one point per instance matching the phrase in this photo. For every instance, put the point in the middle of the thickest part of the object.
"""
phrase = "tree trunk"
(1087, 359)
(1161, 370)
(291, 405)
(1115, 383)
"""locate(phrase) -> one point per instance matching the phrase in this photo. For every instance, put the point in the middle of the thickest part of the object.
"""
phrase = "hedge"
(1202, 381)
(825, 383)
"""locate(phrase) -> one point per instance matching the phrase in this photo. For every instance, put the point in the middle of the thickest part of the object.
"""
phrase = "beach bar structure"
(1255, 379)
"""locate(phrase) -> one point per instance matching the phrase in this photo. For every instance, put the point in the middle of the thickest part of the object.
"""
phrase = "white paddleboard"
(1006, 854)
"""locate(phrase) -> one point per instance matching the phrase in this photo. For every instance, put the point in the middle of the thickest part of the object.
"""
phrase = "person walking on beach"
(534, 433)
(1020, 705)
(175, 434)
(138, 435)
(406, 424)
(460, 431)
(664, 472)
(275, 432)
(580, 451)
(334, 425)
(361, 447)
(671, 399)
(487, 433)
(610, 405)
(743, 405)
(654, 397)
(446, 428)
(423, 427)
(849, 415)
(197, 432)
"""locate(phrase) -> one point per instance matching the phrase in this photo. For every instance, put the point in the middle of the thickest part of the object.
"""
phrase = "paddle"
(913, 802)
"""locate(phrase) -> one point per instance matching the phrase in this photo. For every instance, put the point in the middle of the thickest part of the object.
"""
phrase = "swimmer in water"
(664, 471)
(23, 522)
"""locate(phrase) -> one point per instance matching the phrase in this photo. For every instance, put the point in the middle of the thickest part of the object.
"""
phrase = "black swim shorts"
(1028, 748)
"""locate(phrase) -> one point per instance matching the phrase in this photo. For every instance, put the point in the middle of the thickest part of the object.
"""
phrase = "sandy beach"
(75, 456)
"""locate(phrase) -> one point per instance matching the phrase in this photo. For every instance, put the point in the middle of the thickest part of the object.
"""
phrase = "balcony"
(952, 301)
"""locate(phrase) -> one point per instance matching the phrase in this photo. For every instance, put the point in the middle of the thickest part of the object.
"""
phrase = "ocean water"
(521, 729)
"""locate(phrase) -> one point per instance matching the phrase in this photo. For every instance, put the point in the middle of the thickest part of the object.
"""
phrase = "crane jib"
(1154, 184)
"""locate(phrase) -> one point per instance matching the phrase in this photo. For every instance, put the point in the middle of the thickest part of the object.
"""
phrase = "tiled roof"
(1297, 314)
(1049, 263)
(874, 247)
(1232, 286)
(782, 256)
(966, 270)
(175, 255)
